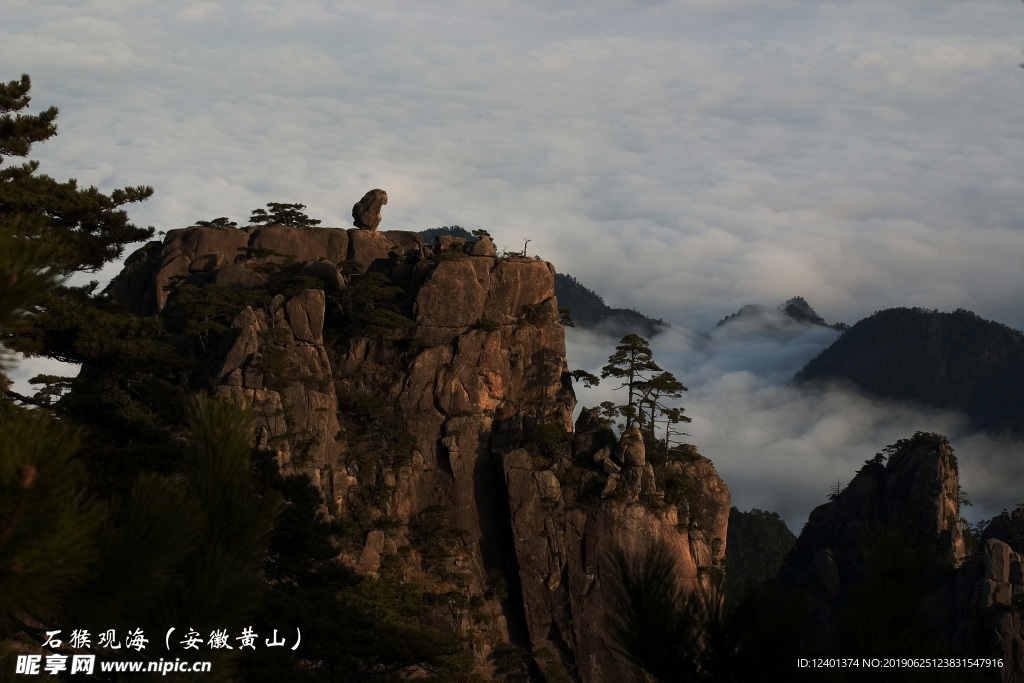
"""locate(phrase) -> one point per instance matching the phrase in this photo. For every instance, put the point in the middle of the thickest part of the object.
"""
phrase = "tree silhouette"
(652, 392)
(282, 214)
(631, 362)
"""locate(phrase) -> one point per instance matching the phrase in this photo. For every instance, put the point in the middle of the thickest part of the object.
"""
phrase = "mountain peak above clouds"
(793, 311)
(954, 360)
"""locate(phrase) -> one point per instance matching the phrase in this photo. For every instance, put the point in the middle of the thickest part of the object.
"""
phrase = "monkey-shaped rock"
(366, 212)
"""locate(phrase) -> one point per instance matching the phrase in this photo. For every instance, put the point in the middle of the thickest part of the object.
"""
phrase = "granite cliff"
(424, 388)
(886, 566)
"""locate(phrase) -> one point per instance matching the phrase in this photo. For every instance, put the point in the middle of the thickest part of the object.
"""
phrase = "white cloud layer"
(781, 447)
(681, 157)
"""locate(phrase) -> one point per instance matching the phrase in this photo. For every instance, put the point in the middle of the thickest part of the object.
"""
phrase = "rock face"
(917, 489)
(366, 212)
(426, 393)
(969, 599)
(989, 597)
(568, 519)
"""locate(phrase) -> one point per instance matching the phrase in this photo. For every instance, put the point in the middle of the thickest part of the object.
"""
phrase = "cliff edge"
(424, 388)
(887, 567)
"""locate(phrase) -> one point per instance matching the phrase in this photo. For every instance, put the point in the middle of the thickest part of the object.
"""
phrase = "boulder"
(483, 247)
(631, 451)
(366, 212)
(299, 244)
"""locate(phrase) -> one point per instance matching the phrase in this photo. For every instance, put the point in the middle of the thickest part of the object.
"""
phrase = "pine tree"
(632, 362)
(652, 391)
(83, 229)
(282, 214)
(127, 393)
(47, 523)
(93, 532)
(669, 633)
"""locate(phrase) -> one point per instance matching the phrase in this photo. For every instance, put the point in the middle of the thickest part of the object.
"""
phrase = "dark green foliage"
(927, 439)
(651, 406)
(57, 228)
(414, 345)
(588, 379)
(22, 286)
(947, 360)
(565, 318)
(383, 639)
(372, 407)
(78, 230)
(671, 634)
(431, 235)
(289, 287)
(19, 132)
(216, 522)
(659, 626)
(589, 310)
(973, 534)
(875, 467)
(166, 552)
(437, 537)
(282, 214)
(371, 304)
(757, 542)
(131, 546)
(511, 664)
(885, 611)
(222, 222)
(451, 252)
(534, 314)
(127, 394)
(608, 412)
(47, 523)
(548, 439)
(378, 443)
(303, 577)
(632, 362)
(488, 325)
(265, 253)
(680, 488)
(204, 314)
(1007, 526)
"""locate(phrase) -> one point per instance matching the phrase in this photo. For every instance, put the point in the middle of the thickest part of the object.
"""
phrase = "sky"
(681, 158)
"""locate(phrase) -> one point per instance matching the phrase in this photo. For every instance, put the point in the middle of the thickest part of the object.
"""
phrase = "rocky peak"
(916, 489)
(969, 601)
(424, 389)
(793, 311)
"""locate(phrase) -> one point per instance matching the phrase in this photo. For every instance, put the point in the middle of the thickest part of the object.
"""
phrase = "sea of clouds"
(782, 447)
(680, 157)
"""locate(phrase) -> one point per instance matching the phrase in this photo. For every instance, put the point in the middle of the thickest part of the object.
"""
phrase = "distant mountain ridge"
(589, 310)
(796, 309)
(952, 360)
(587, 307)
